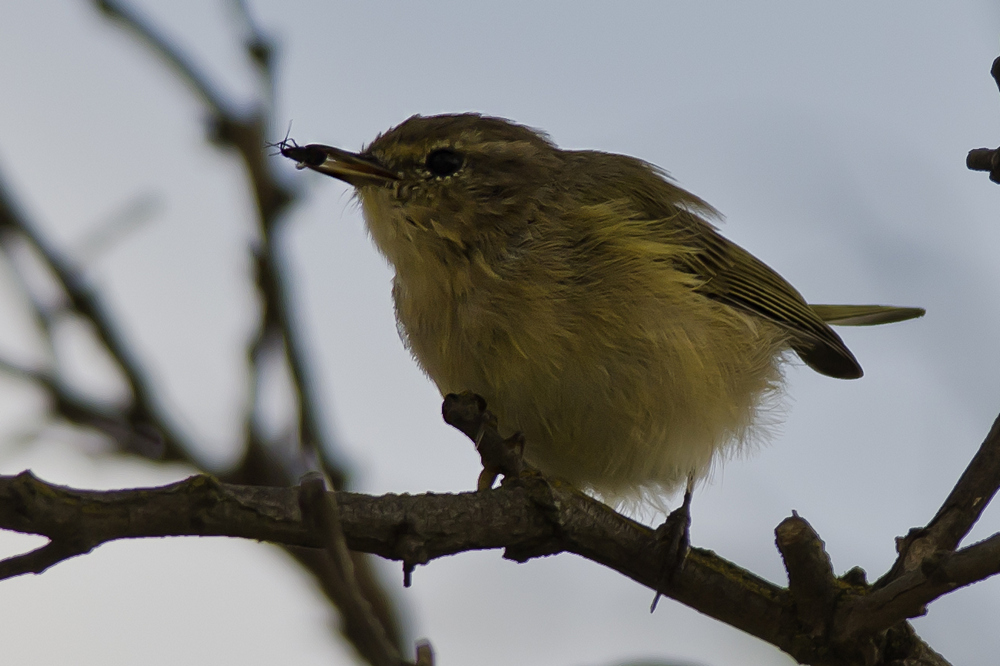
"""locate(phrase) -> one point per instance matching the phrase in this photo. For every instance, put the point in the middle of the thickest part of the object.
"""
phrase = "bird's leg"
(673, 540)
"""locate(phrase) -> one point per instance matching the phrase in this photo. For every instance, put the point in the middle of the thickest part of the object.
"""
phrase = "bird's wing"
(731, 275)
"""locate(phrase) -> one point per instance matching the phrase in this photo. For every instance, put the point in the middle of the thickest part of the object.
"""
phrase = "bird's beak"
(348, 167)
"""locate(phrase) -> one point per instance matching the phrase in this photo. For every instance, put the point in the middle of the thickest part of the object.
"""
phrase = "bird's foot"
(673, 541)
(504, 459)
(467, 412)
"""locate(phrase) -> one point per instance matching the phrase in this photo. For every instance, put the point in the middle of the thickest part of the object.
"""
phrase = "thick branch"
(529, 518)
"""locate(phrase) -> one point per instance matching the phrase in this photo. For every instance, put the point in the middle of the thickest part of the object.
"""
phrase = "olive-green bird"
(585, 296)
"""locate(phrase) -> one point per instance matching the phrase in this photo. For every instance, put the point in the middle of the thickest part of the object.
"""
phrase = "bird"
(589, 299)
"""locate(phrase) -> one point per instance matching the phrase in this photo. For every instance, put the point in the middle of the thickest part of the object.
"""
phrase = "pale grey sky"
(832, 136)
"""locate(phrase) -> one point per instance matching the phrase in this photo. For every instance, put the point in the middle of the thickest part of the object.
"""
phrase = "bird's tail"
(864, 315)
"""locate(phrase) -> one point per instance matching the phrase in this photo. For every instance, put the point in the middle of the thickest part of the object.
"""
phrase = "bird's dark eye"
(444, 162)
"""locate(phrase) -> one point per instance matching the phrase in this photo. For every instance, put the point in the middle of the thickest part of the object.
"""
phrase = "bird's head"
(445, 183)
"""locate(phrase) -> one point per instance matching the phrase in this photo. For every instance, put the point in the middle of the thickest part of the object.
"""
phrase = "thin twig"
(960, 511)
(186, 70)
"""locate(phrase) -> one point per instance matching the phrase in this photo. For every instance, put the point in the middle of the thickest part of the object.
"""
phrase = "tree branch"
(960, 511)
(247, 133)
(143, 415)
(987, 159)
(142, 426)
(185, 69)
(908, 595)
(528, 517)
(811, 582)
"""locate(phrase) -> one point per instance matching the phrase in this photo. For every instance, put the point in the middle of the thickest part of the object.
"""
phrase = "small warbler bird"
(585, 296)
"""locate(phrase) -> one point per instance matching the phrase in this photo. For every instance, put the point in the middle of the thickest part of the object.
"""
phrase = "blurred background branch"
(139, 424)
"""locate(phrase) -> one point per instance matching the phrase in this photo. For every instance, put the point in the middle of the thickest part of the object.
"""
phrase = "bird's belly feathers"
(618, 395)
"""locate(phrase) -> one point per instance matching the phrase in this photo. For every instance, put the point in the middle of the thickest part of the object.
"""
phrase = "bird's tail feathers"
(864, 315)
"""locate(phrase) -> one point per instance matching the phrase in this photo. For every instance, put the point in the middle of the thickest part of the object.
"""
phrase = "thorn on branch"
(408, 568)
(467, 412)
(412, 550)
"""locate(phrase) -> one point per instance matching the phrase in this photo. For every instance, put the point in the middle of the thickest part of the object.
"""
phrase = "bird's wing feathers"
(733, 276)
(729, 274)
